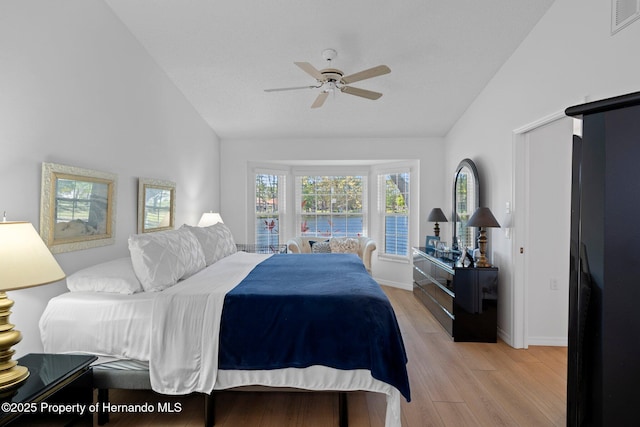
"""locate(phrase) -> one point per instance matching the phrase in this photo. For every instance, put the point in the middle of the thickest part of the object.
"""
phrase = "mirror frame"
(76, 234)
(146, 184)
(468, 164)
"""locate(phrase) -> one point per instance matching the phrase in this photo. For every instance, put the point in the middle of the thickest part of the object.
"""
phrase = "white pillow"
(321, 248)
(115, 276)
(216, 241)
(161, 259)
(344, 245)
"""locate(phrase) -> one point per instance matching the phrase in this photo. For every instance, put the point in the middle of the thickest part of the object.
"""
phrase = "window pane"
(267, 225)
(396, 237)
(396, 221)
(331, 206)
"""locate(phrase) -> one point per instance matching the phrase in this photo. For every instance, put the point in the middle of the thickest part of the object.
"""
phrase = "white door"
(543, 192)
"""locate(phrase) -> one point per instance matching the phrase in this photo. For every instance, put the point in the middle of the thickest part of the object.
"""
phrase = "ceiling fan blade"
(320, 100)
(311, 70)
(369, 94)
(291, 88)
(366, 74)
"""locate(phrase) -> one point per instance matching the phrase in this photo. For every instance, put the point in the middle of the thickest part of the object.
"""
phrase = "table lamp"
(209, 218)
(482, 218)
(436, 215)
(25, 262)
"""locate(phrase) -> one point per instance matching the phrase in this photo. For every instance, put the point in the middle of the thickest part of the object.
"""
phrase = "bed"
(320, 325)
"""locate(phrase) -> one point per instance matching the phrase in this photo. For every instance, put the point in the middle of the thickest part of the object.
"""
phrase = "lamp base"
(11, 375)
(482, 261)
(12, 378)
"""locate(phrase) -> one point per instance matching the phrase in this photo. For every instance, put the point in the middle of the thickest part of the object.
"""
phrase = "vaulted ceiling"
(222, 54)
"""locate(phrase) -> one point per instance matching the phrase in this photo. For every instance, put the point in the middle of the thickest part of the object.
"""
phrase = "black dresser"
(464, 300)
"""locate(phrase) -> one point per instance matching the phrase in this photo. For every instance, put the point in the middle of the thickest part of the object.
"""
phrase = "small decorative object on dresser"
(431, 243)
(464, 300)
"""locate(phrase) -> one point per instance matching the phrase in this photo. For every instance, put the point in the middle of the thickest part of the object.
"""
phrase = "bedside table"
(53, 379)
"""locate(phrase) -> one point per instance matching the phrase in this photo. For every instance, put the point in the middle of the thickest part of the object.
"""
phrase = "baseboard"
(400, 285)
(505, 337)
(548, 341)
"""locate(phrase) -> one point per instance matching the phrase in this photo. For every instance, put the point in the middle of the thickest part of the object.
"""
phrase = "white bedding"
(166, 329)
(146, 327)
(100, 323)
(186, 325)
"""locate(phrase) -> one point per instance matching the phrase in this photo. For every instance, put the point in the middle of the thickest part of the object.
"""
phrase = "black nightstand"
(53, 379)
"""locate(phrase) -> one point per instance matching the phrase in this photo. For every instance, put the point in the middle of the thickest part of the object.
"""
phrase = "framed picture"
(432, 241)
(77, 208)
(156, 205)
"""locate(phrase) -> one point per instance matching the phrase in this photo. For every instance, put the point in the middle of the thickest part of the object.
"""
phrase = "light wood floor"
(452, 384)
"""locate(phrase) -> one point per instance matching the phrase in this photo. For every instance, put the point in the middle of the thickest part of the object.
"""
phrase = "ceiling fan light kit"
(331, 79)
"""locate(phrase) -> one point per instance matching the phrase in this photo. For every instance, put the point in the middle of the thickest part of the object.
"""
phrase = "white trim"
(549, 341)
(283, 218)
(504, 336)
(330, 170)
(520, 228)
(540, 122)
(401, 259)
(399, 285)
(380, 178)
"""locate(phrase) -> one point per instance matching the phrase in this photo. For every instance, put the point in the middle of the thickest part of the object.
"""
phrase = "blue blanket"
(299, 310)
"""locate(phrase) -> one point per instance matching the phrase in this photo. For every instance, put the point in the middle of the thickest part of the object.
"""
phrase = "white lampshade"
(25, 260)
(209, 218)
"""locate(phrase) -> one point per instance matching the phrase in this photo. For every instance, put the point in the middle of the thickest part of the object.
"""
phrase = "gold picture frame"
(156, 205)
(77, 208)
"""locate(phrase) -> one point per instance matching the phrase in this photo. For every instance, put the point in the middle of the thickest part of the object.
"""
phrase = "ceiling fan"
(331, 79)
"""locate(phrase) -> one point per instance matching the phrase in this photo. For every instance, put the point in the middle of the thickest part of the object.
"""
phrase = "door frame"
(521, 227)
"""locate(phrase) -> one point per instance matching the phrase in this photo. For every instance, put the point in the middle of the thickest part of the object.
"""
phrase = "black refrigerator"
(603, 378)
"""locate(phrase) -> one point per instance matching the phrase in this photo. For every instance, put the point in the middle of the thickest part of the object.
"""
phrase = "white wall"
(237, 154)
(568, 56)
(77, 88)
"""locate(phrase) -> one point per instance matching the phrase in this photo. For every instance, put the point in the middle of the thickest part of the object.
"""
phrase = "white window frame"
(301, 171)
(412, 168)
(283, 184)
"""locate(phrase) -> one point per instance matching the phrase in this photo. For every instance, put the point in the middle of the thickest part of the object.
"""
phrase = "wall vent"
(623, 13)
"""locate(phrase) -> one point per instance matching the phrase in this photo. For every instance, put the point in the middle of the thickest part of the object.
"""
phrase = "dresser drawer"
(439, 296)
(443, 316)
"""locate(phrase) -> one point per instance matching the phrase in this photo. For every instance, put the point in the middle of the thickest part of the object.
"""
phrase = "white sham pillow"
(161, 259)
(115, 276)
(216, 240)
(347, 245)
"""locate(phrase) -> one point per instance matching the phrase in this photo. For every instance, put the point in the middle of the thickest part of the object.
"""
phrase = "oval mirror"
(466, 199)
